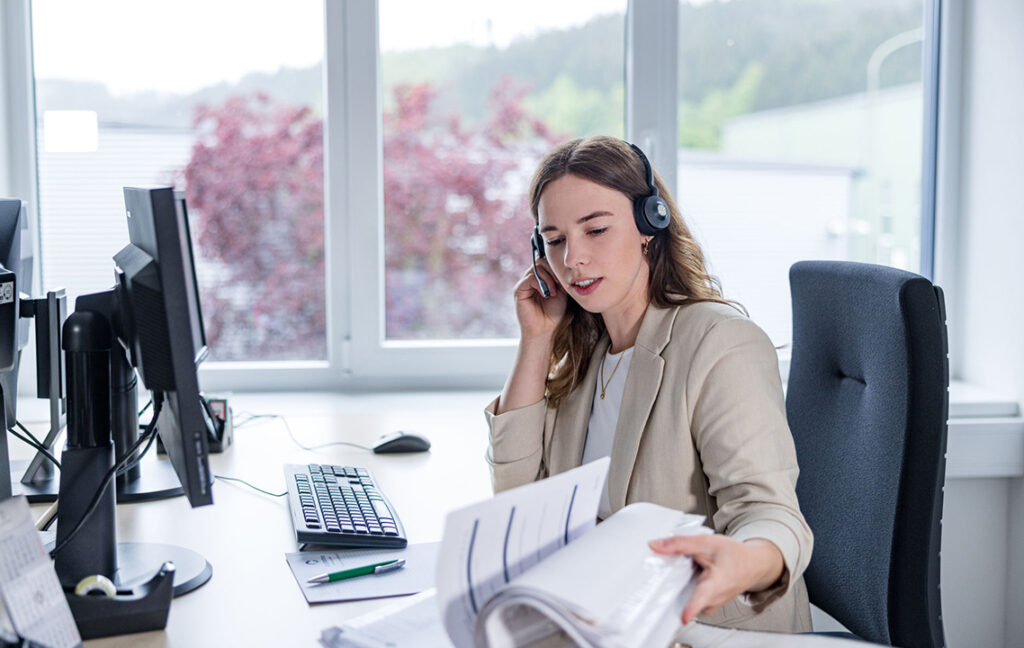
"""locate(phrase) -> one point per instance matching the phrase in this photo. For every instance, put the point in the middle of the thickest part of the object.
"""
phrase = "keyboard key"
(382, 509)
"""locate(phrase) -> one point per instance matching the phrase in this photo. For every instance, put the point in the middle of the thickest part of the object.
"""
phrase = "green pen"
(376, 568)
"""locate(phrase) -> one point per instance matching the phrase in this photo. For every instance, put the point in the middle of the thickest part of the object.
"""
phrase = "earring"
(643, 246)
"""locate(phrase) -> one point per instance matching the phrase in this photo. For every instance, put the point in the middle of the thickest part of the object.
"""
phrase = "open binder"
(529, 567)
(605, 589)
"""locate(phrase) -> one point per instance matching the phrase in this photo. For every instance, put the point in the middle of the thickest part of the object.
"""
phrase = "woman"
(635, 354)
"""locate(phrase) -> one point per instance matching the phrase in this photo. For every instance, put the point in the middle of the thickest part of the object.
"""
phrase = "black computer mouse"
(401, 442)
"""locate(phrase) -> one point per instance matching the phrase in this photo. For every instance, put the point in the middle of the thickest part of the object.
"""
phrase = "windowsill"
(970, 401)
(986, 434)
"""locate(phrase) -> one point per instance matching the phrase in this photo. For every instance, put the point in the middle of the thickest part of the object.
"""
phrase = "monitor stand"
(92, 364)
(153, 479)
(137, 562)
(156, 480)
(5, 468)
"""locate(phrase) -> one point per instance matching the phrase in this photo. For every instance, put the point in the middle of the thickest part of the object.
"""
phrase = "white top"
(604, 415)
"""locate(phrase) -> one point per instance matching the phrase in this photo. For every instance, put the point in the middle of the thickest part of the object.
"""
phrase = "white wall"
(990, 276)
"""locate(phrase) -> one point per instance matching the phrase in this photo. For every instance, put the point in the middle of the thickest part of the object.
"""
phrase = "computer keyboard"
(341, 506)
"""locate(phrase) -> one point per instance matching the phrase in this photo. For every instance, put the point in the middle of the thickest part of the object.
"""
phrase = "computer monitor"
(15, 278)
(163, 327)
(150, 322)
(36, 479)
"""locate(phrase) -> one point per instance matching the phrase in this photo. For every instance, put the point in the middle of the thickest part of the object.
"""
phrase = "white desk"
(253, 599)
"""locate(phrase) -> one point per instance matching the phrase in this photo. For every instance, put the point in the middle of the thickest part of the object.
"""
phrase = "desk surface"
(253, 598)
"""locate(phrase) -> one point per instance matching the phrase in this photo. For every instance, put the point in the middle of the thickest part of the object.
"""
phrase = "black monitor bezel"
(160, 241)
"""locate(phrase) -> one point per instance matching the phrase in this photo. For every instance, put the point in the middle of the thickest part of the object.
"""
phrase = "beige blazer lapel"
(642, 385)
(570, 430)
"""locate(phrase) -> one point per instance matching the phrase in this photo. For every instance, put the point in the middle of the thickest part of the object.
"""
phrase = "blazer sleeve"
(739, 426)
(515, 453)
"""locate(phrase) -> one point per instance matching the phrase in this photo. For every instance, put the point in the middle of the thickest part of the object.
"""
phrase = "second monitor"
(150, 322)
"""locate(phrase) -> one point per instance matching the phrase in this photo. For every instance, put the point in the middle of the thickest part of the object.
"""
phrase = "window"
(800, 135)
(357, 171)
(471, 102)
(132, 94)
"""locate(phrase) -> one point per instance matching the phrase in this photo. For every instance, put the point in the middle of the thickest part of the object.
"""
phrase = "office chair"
(867, 403)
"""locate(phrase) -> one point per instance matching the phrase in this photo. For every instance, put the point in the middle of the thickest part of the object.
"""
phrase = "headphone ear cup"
(651, 214)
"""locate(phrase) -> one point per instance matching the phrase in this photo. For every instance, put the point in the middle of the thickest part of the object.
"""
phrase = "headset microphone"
(537, 243)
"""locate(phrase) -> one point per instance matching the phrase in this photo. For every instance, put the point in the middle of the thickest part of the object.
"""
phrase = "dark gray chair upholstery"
(867, 402)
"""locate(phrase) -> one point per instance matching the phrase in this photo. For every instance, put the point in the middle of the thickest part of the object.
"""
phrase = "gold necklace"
(604, 385)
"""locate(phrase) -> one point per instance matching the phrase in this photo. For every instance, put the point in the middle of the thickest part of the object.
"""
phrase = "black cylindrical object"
(87, 355)
(124, 410)
(89, 453)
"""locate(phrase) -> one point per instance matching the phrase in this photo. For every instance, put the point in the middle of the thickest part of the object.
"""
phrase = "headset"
(650, 213)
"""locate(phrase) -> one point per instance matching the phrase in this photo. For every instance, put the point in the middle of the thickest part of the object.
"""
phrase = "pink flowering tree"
(456, 220)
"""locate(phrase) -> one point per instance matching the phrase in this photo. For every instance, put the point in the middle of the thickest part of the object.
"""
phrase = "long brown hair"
(678, 273)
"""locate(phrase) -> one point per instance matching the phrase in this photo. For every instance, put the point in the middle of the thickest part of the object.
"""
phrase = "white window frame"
(358, 356)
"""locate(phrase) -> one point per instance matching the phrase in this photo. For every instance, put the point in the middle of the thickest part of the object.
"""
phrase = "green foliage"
(590, 55)
(700, 124)
(576, 111)
(807, 50)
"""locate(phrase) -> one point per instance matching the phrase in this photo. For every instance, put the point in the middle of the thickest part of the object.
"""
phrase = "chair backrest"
(867, 403)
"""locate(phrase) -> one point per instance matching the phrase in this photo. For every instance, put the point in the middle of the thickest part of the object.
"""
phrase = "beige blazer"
(702, 429)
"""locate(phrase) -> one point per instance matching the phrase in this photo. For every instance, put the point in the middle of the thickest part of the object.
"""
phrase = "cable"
(145, 407)
(138, 459)
(27, 432)
(242, 418)
(94, 504)
(242, 481)
(34, 443)
(288, 428)
(47, 518)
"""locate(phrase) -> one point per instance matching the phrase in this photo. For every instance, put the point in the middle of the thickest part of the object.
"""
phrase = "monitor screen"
(162, 328)
(15, 278)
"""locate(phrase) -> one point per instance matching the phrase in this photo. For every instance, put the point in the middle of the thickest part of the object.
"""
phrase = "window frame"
(358, 356)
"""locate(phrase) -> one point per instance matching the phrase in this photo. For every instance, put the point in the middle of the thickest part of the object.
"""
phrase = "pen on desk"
(376, 568)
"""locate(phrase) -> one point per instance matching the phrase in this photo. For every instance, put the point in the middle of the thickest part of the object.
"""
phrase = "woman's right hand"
(539, 315)
(538, 318)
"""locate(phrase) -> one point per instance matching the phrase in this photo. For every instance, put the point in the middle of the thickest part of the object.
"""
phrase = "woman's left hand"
(730, 568)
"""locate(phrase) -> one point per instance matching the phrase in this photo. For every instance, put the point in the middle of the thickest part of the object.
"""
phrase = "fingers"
(711, 593)
(529, 287)
(695, 606)
(715, 585)
(547, 275)
(686, 545)
(700, 602)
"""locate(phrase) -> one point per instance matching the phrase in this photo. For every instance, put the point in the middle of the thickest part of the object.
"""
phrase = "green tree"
(700, 124)
(578, 111)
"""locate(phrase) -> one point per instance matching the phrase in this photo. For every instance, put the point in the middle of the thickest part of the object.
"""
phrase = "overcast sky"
(182, 45)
